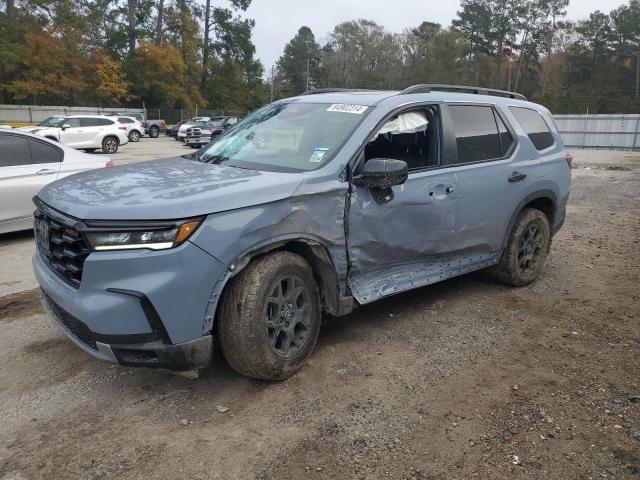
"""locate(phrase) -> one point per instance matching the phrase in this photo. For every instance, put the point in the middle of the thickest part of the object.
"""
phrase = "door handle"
(517, 176)
(45, 171)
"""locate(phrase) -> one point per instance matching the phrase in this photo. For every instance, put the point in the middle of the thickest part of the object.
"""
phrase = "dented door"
(402, 243)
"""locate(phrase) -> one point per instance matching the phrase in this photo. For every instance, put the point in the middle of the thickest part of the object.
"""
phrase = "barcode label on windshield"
(341, 107)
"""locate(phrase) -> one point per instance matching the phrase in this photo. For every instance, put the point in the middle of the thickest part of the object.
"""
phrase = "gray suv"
(311, 205)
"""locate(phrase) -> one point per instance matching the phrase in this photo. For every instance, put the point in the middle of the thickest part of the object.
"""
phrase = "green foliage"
(127, 52)
(182, 53)
(300, 63)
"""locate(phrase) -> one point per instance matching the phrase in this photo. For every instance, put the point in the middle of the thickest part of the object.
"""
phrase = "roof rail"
(430, 87)
(333, 90)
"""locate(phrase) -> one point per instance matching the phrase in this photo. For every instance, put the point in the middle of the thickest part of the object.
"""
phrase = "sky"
(277, 21)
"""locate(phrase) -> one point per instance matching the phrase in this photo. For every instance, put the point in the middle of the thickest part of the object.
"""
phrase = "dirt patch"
(464, 379)
(19, 305)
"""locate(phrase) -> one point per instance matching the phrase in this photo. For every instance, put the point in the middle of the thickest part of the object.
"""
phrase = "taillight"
(109, 164)
(570, 160)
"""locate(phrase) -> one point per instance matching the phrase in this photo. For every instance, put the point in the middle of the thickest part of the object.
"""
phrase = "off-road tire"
(134, 136)
(510, 270)
(244, 336)
(154, 132)
(108, 145)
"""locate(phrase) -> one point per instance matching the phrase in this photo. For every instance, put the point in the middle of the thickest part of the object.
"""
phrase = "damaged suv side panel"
(309, 206)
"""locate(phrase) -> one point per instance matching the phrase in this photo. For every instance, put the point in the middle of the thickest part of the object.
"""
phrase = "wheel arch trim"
(314, 250)
(548, 195)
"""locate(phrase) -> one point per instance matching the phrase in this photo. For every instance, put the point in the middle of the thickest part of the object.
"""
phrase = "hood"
(165, 190)
(30, 129)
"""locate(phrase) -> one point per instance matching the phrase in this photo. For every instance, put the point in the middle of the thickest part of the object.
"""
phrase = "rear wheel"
(134, 136)
(270, 317)
(523, 258)
(110, 145)
(154, 132)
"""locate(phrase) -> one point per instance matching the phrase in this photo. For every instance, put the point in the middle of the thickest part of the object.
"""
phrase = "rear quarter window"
(44, 153)
(535, 127)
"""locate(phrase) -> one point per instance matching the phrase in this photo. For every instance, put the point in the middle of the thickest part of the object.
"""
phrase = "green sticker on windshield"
(318, 154)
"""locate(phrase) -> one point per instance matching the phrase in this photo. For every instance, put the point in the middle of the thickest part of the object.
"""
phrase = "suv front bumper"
(156, 354)
(137, 307)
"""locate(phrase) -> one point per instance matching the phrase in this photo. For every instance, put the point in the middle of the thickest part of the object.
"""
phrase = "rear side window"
(44, 153)
(15, 151)
(477, 136)
(535, 127)
(95, 122)
(72, 122)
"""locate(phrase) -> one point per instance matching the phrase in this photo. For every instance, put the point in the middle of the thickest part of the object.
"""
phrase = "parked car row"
(198, 131)
(94, 132)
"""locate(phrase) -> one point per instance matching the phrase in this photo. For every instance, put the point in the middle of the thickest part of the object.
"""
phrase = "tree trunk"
(131, 30)
(521, 60)
(158, 41)
(499, 65)
(205, 46)
(11, 8)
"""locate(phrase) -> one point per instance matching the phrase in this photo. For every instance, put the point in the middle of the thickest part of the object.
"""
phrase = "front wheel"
(110, 145)
(134, 136)
(270, 317)
(154, 132)
(527, 247)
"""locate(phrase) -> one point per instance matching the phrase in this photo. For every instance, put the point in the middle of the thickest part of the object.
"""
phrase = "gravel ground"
(464, 379)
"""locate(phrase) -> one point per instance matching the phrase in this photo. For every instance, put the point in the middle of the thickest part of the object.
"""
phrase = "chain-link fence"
(175, 115)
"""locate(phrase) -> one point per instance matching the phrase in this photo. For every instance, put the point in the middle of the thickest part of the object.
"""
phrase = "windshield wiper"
(214, 159)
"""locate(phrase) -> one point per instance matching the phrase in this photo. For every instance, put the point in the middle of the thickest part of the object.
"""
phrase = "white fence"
(600, 131)
(35, 113)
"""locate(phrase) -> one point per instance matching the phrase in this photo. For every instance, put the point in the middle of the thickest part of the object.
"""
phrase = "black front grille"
(62, 247)
(75, 326)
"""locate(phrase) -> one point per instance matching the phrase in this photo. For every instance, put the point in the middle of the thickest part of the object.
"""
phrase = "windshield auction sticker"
(341, 107)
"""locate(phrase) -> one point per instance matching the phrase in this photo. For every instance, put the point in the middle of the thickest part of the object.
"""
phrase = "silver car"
(28, 163)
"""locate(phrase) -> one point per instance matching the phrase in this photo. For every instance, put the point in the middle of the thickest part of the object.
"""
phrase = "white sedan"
(29, 162)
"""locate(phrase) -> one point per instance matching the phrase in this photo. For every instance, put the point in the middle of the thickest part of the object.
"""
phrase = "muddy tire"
(270, 317)
(523, 258)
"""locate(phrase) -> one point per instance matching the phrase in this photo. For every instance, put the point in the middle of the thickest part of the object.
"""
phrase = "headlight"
(156, 236)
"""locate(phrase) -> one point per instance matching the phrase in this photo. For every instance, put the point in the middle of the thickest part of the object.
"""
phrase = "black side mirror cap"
(384, 173)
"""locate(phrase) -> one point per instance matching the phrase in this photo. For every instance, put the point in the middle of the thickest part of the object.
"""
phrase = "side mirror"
(384, 173)
(65, 126)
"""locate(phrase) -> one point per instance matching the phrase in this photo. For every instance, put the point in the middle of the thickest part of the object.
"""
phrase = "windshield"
(286, 137)
(215, 122)
(52, 122)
